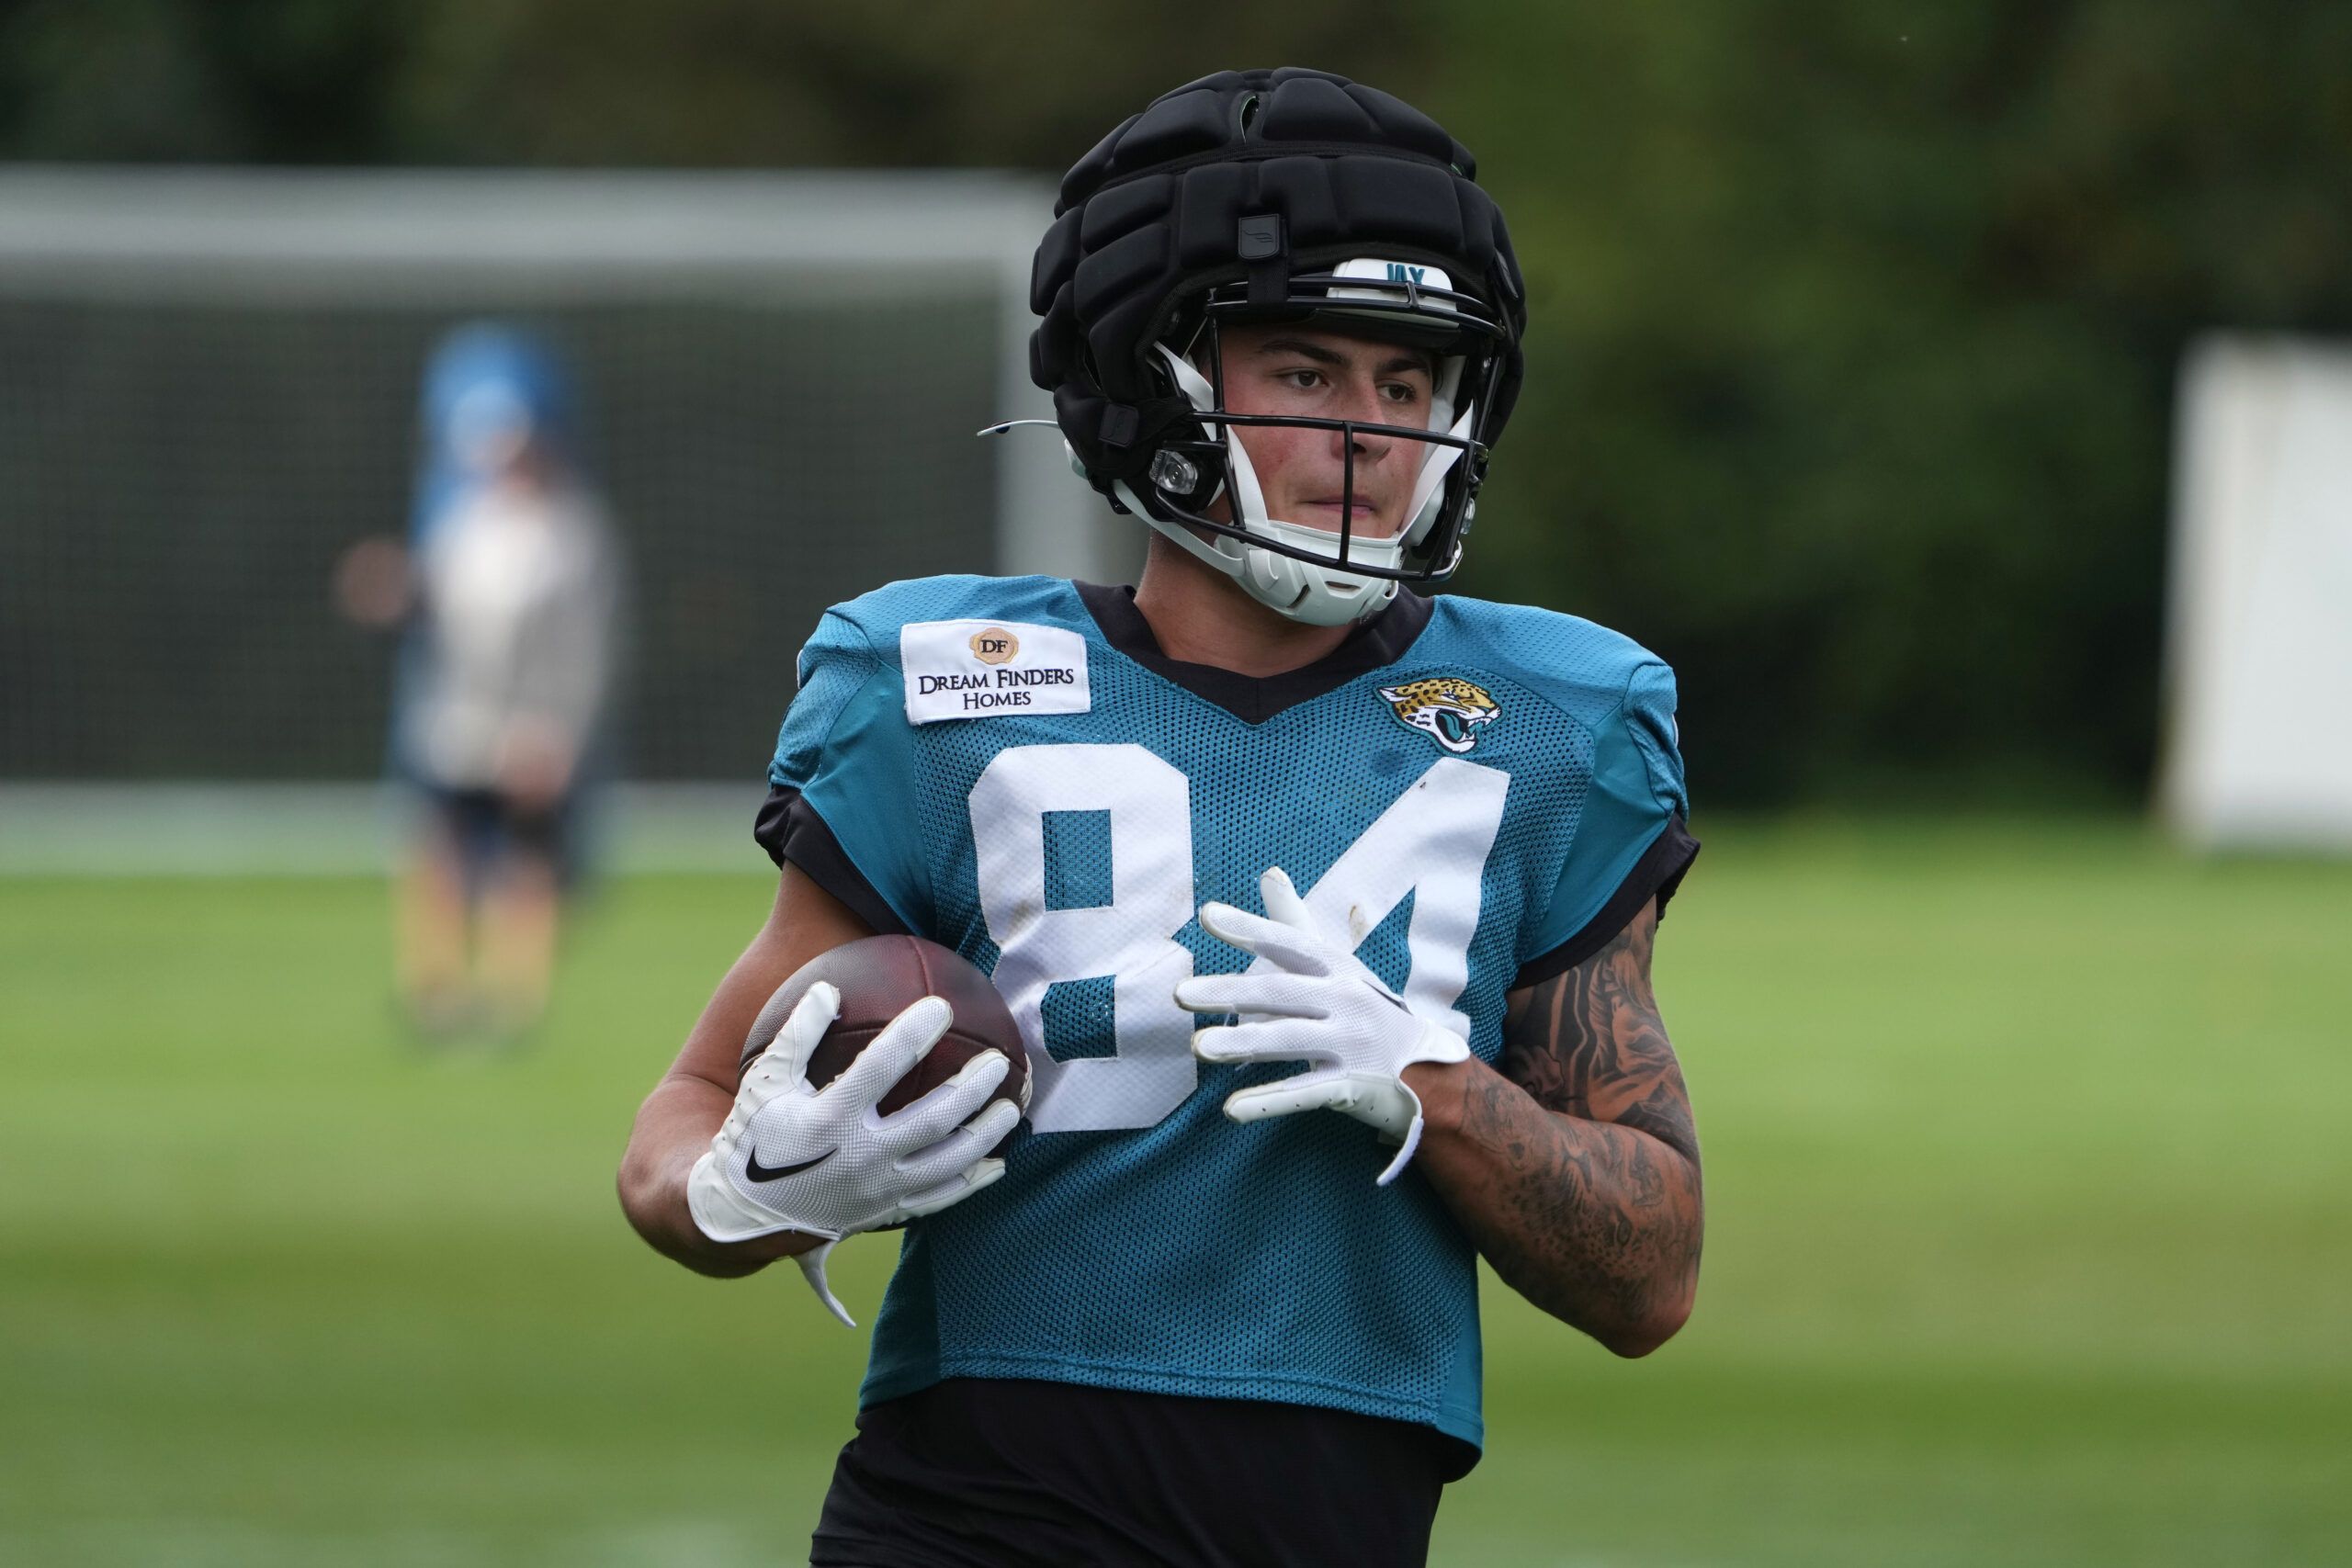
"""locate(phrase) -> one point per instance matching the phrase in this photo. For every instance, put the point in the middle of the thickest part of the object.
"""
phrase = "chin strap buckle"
(1258, 239)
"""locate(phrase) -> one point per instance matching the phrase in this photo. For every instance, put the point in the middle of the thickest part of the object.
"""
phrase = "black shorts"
(998, 1472)
(487, 827)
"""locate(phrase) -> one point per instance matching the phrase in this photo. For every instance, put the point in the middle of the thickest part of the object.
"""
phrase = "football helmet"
(1263, 197)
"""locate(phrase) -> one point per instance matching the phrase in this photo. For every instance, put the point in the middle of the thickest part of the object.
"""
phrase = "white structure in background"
(227, 235)
(2258, 657)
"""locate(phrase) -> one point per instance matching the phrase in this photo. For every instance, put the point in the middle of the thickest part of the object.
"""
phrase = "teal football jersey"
(1481, 794)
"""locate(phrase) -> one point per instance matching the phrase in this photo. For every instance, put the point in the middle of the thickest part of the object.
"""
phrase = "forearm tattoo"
(1595, 1213)
(1590, 1044)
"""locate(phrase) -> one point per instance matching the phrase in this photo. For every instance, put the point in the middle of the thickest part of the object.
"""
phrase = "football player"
(1325, 906)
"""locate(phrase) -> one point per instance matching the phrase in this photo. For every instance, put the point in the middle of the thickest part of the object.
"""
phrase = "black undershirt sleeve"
(1656, 874)
(790, 829)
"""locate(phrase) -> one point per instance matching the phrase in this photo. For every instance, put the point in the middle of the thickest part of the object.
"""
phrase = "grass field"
(2031, 1242)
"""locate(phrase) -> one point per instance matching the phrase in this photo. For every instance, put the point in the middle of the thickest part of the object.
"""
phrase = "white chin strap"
(1308, 592)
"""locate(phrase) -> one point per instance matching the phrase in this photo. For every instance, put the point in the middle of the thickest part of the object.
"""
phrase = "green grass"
(2029, 1181)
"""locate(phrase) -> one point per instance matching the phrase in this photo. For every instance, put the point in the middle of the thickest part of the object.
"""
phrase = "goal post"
(479, 241)
(207, 385)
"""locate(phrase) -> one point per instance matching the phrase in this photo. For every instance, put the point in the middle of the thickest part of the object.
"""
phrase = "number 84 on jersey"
(1036, 806)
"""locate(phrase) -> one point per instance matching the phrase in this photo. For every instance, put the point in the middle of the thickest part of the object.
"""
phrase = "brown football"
(881, 976)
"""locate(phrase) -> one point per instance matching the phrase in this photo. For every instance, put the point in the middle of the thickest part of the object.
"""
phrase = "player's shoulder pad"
(1578, 666)
(1632, 790)
(868, 626)
(1615, 688)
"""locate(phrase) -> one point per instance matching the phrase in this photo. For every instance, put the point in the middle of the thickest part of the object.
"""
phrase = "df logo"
(994, 644)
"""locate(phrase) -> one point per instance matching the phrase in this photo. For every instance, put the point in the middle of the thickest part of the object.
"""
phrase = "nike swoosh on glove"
(828, 1161)
(1309, 1000)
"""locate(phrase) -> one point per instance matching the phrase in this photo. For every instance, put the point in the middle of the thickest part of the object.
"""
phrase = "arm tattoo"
(1591, 1206)
(1590, 1044)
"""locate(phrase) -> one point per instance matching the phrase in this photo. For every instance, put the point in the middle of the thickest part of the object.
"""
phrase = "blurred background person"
(508, 588)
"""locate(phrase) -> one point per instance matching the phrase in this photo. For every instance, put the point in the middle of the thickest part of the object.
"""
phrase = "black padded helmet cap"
(1152, 217)
(1240, 111)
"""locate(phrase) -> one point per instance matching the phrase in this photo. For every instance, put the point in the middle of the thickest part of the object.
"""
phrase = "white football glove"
(1309, 1000)
(792, 1158)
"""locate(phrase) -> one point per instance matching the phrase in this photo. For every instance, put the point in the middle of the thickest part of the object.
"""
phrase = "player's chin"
(1362, 521)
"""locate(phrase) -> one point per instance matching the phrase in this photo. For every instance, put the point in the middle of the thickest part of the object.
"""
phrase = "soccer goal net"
(208, 390)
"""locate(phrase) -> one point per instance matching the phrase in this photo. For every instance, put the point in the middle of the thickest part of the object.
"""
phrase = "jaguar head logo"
(1448, 709)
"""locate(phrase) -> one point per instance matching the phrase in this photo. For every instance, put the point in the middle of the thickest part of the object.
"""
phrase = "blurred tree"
(1855, 325)
(619, 83)
(1855, 333)
(204, 81)
(1021, 82)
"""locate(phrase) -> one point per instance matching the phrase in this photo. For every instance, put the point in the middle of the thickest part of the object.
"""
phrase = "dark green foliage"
(702, 83)
(1855, 340)
(1855, 325)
